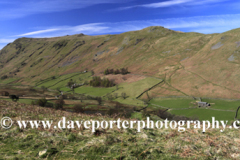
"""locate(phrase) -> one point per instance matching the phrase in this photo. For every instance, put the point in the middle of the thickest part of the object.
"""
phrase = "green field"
(223, 104)
(174, 102)
(61, 81)
(9, 80)
(134, 89)
(25, 101)
(131, 101)
(220, 109)
(137, 115)
(205, 114)
(94, 91)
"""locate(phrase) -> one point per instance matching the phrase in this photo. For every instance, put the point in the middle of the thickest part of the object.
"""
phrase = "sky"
(51, 18)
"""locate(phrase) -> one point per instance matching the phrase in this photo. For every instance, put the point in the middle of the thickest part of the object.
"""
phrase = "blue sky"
(50, 18)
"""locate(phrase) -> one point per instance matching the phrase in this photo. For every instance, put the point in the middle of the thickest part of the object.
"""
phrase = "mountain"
(192, 64)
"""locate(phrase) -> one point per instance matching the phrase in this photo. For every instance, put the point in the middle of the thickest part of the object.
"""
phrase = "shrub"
(49, 105)
(70, 83)
(31, 89)
(98, 82)
(72, 97)
(41, 102)
(4, 93)
(86, 83)
(115, 95)
(44, 89)
(110, 97)
(14, 97)
(71, 137)
(106, 72)
(78, 108)
(122, 71)
(166, 115)
(59, 104)
(4, 77)
(99, 99)
(124, 95)
(120, 110)
(117, 71)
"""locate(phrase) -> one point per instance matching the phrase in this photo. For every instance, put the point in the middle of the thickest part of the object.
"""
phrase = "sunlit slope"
(190, 63)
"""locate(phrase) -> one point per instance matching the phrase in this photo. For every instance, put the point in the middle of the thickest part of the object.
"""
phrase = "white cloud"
(202, 24)
(91, 28)
(6, 40)
(171, 3)
(38, 32)
(28, 7)
(165, 4)
(2, 45)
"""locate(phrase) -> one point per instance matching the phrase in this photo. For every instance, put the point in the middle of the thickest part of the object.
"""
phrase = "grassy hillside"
(191, 64)
(80, 143)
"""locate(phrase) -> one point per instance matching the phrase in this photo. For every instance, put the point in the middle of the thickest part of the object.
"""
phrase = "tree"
(99, 99)
(4, 77)
(41, 102)
(59, 104)
(106, 72)
(111, 71)
(110, 97)
(70, 83)
(44, 89)
(98, 82)
(78, 108)
(5, 93)
(116, 71)
(14, 97)
(124, 95)
(115, 95)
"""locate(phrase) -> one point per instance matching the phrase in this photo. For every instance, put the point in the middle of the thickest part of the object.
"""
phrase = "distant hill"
(192, 64)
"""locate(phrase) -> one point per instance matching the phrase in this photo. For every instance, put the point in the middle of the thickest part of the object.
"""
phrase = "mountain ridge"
(196, 64)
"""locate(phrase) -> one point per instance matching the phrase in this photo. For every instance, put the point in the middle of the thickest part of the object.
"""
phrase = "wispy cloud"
(92, 28)
(171, 3)
(29, 7)
(1, 46)
(165, 4)
(38, 32)
(6, 40)
(202, 24)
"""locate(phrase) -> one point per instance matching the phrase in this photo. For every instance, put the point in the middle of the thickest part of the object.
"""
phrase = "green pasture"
(205, 114)
(220, 109)
(174, 102)
(8, 80)
(223, 104)
(61, 81)
(94, 91)
(131, 101)
(25, 101)
(134, 89)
